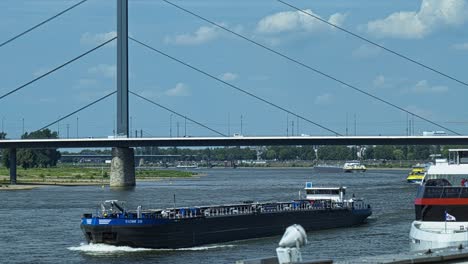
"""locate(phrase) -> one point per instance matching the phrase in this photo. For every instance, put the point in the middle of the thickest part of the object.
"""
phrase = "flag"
(449, 217)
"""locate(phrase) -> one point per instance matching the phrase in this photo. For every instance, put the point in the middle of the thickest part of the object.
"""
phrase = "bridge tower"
(123, 159)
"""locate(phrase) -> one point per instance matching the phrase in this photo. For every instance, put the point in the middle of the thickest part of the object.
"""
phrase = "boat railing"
(442, 192)
(445, 192)
(241, 209)
(270, 208)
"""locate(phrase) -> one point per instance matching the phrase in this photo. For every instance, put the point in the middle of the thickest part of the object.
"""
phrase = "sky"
(433, 32)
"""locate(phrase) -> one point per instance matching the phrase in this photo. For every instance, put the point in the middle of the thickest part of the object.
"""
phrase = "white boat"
(441, 204)
(327, 168)
(335, 195)
(354, 166)
(187, 166)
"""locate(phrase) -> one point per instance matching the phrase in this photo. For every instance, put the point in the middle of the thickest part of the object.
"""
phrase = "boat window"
(463, 157)
(334, 192)
(454, 180)
(438, 182)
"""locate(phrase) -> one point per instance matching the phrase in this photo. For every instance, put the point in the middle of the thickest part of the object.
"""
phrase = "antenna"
(229, 124)
(241, 132)
(355, 125)
(346, 123)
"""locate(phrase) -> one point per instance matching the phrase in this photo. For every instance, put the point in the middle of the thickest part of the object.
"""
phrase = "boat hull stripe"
(441, 201)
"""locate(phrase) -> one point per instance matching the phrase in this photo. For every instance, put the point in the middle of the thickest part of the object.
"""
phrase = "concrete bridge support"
(122, 168)
(12, 166)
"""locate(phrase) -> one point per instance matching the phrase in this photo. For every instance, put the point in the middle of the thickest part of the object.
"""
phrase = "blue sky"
(431, 31)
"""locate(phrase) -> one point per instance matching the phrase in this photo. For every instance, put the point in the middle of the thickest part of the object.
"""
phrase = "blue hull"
(195, 231)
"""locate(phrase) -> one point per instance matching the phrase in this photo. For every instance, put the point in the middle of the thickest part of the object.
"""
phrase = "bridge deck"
(234, 141)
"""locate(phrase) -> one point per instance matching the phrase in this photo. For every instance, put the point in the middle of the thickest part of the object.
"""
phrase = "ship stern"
(97, 233)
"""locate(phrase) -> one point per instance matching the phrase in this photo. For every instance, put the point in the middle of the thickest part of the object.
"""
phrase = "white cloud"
(85, 83)
(41, 71)
(432, 14)
(180, 89)
(229, 76)
(91, 95)
(324, 99)
(424, 87)
(108, 71)
(379, 81)
(200, 36)
(420, 111)
(460, 46)
(87, 90)
(97, 38)
(366, 51)
(337, 19)
(289, 21)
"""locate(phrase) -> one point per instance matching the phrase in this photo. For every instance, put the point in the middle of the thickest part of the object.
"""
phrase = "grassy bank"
(83, 175)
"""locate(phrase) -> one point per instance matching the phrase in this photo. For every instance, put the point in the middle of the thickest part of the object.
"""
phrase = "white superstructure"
(335, 194)
(354, 166)
(442, 204)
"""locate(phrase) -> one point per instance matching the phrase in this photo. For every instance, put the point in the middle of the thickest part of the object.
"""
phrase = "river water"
(42, 225)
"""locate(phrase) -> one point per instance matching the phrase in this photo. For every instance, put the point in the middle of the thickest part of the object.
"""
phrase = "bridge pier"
(122, 167)
(12, 166)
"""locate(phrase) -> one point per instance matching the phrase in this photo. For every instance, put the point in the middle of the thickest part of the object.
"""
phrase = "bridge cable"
(234, 87)
(307, 66)
(180, 115)
(147, 134)
(376, 44)
(42, 23)
(78, 110)
(55, 69)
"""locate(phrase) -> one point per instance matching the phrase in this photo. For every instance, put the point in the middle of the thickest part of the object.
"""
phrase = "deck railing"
(241, 209)
(445, 192)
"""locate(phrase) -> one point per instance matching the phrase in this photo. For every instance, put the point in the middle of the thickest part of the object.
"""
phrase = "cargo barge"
(183, 227)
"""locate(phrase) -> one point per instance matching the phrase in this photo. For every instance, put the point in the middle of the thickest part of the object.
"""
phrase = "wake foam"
(109, 249)
(106, 249)
(201, 248)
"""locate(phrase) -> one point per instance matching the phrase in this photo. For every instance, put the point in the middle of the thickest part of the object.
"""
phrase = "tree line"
(33, 158)
(285, 153)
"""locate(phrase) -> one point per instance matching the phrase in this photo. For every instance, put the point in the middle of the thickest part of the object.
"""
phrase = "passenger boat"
(327, 168)
(354, 166)
(416, 174)
(441, 204)
(187, 166)
(183, 227)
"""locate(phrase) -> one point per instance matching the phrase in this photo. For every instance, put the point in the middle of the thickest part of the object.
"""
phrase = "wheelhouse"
(335, 194)
(444, 189)
(449, 172)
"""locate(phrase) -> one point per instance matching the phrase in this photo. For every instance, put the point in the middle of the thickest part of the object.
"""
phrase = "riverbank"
(81, 176)
(8, 187)
(74, 176)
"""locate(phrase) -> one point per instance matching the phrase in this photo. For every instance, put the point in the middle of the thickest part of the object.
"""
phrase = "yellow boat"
(416, 174)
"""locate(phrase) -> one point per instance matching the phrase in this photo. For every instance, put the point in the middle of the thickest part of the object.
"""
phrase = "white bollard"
(288, 255)
(289, 246)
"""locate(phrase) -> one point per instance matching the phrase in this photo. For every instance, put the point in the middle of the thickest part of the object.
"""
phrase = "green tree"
(422, 152)
(30, 158)
(398, 154)
(383, 152)
(334, 153)
(5, 154)
(270, 154)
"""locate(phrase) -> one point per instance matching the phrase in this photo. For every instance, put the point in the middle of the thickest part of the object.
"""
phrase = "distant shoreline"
(32, 182)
